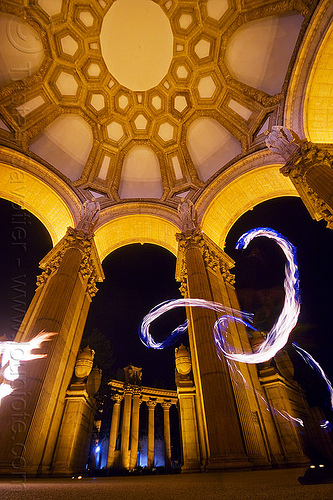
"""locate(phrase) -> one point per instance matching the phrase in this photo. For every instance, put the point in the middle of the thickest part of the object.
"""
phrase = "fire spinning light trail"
(237, 374)
(276, 338)
(12, 354)
(315, 366)
(156, 312)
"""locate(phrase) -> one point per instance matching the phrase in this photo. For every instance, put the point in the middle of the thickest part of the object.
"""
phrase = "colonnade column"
(166, 405)
(310, 169)
(60, 305)
(125, 428)
(151, 432)
(221, 425)
(114, 429)
(135, 427)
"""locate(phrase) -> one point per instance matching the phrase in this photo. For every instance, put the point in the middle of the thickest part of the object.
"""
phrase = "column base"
(191, 467)
(228, 463)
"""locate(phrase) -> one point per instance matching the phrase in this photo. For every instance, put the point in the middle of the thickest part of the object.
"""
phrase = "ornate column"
(231, 413)
(60, 305)
(309, 167)
(166, 405)
(220, 419)
(151, 432)
(114, 430)
(244, 378)
(125, 428)
(135, 427)
(288, 402)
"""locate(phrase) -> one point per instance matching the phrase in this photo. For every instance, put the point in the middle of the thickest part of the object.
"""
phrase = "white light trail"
(284, 414)
(276, 338)
(11, 356)
(315, 366)
(144, 330)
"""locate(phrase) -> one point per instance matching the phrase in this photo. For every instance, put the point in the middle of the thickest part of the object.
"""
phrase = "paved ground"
(258, 485)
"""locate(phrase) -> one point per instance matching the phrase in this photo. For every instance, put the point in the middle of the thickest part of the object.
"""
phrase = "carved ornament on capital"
(151, 404)
(137, 392)
(166, 405)
(90, 267)
(301, 156)
(117, 398)
(213, 256)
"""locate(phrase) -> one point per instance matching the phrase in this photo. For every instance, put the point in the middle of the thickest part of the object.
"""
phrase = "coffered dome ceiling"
(143, 99)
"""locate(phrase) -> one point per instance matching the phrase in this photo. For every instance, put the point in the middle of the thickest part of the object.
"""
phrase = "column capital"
(309, 167)
(117, 398)
(151, 404)
(90, 268)
(311, 157)
(214, 257)
(166, 405)
(136, 391)
(128, 389)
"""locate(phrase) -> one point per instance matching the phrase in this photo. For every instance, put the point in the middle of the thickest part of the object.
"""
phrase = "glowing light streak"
(12, 354)
(276, 338)
(325, 425)
(284, 414)
(315, 366)
(144, 329)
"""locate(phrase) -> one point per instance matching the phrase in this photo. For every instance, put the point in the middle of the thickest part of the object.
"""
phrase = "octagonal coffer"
(217, 8)
(115, 131)
(51, 7)
(97, 101)
(166, 131)
(141, 123)
(66, 84)
(206, 87)
(68, 45)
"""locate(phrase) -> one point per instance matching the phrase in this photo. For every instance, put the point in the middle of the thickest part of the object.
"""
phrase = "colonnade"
(126, 419)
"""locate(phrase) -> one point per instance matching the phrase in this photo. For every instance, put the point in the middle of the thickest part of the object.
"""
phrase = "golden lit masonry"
(157, 122)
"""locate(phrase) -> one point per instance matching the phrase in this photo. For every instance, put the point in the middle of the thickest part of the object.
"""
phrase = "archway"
(135, 228)
(137, 278)
(240, 193)
(50, 200)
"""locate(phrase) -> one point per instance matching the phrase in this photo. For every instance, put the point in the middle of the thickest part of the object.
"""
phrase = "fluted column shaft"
(135, 429)
(151, 432)
(167, 438)
(114, 430)
(213, 384)
(125, 429)
(60, 305)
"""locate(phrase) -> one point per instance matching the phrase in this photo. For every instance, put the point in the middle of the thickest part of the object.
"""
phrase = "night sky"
(138, 277)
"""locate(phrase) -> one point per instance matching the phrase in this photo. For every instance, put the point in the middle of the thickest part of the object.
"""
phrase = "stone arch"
(135, 228)
(241, 194)
(316, 47)
(49, 203)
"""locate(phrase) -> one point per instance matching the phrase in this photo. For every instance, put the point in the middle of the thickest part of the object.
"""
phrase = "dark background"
(138, 277)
